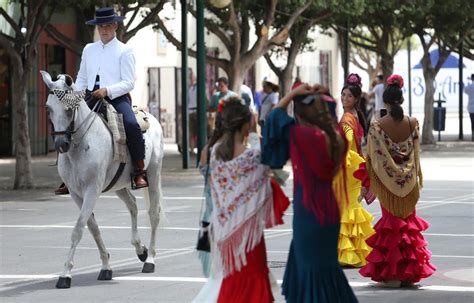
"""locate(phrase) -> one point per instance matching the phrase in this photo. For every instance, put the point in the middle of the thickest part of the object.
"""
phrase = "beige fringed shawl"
(394, 170)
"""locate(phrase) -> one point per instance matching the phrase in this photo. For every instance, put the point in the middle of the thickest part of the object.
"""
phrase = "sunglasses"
(306, 100)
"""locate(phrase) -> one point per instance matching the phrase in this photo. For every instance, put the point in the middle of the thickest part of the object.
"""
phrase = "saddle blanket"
(117, 129)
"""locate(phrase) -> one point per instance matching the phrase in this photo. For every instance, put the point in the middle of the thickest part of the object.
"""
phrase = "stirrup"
(132, 179)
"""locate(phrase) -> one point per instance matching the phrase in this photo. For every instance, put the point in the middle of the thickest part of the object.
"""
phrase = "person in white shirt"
(269, 99)
(108, 71)
(192, 109)
(377, 92)
(247, 96)
(469, 90)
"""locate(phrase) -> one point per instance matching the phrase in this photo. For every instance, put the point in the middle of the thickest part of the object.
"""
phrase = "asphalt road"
(35, 231)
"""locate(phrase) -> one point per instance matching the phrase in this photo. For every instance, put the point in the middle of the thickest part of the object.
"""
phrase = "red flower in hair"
(354, 79)
(220, 106)
(395, 79)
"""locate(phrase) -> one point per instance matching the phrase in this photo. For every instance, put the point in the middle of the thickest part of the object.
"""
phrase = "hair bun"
(395, 80)
(354, 80)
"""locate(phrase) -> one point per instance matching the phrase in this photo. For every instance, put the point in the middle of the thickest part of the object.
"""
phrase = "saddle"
(114, 122)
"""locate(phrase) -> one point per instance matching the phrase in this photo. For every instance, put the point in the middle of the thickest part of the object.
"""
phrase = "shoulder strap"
(261, 104)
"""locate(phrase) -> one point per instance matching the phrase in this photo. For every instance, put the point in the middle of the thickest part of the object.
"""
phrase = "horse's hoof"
(105, 274)
(144, 255)
(64, 282)
(148, 268)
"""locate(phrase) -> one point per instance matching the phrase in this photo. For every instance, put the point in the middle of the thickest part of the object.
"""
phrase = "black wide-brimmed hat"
(105, 15)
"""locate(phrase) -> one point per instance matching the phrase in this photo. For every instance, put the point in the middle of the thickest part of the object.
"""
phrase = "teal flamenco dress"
(313, 273)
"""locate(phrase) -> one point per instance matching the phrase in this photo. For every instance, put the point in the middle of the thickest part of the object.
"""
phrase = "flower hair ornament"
(395, 80)
(354, 80)
(223, 103)
(220, 106)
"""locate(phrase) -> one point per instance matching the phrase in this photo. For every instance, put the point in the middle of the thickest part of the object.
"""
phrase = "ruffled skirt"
(356, 228)
(399, 250)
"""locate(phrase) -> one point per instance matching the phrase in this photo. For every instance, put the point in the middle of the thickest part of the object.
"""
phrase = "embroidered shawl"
(242, 206)
(394, 170)
(314, 171)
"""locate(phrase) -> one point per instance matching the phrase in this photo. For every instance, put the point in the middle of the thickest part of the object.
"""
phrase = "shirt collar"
(111, 42)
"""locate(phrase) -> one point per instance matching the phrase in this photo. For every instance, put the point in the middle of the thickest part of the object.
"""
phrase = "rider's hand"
(100, 93)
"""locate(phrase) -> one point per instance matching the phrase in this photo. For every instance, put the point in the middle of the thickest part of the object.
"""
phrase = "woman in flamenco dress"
(356, 224)
(317, 148)
(399, 255)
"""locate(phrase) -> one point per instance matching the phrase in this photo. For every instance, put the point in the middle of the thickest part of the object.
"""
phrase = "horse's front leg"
(88, 203)
(106, 271)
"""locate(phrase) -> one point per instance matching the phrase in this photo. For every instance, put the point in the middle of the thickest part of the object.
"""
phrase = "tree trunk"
(23, 173)
(285, 79)
(386, 65)
(427, 134)
(236, 77)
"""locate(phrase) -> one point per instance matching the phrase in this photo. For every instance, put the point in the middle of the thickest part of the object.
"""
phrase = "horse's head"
(61, 105)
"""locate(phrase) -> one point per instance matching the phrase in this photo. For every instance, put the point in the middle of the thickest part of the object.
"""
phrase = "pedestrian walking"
(317, 150)
(269, 99)
(377, 92)
(399, 255)
(245, 202)
(469, 90)
(356, 224)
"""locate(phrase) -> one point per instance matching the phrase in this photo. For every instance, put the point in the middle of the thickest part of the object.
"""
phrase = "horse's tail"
(156, 134)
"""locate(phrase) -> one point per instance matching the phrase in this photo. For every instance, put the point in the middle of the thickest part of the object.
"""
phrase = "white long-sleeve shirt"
(114, 62)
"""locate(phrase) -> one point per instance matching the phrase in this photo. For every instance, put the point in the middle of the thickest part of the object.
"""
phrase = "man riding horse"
(107, 71)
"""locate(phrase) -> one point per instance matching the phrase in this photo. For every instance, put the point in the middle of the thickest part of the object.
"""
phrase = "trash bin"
(439, 119)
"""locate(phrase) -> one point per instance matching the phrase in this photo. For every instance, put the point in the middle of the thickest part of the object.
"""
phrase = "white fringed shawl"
(243, 207)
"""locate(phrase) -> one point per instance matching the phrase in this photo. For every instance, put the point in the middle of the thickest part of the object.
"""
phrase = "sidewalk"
(46, 178)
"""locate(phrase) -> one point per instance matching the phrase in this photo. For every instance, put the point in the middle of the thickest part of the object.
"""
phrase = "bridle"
(70, 131)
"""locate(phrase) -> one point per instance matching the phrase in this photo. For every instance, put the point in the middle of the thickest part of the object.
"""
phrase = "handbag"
(204, 243)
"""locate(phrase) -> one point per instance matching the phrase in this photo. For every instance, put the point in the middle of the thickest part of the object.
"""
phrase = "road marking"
(166, 198)
(100, 227)
(30, 279)
(273, 232)
(203, 280)
(448, 235)
(108, 248)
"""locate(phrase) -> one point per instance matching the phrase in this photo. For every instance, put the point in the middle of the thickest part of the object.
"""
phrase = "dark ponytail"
(393, 96)
(233, 117)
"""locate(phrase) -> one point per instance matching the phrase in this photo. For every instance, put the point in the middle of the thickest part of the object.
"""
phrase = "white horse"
(86, 166)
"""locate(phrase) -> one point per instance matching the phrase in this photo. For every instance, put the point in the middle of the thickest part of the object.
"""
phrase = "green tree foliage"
(141, 14)
(299, 40)
(437, 23)
(233, 27)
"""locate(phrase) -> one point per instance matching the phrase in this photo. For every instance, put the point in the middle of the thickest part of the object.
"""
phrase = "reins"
(70, 131)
